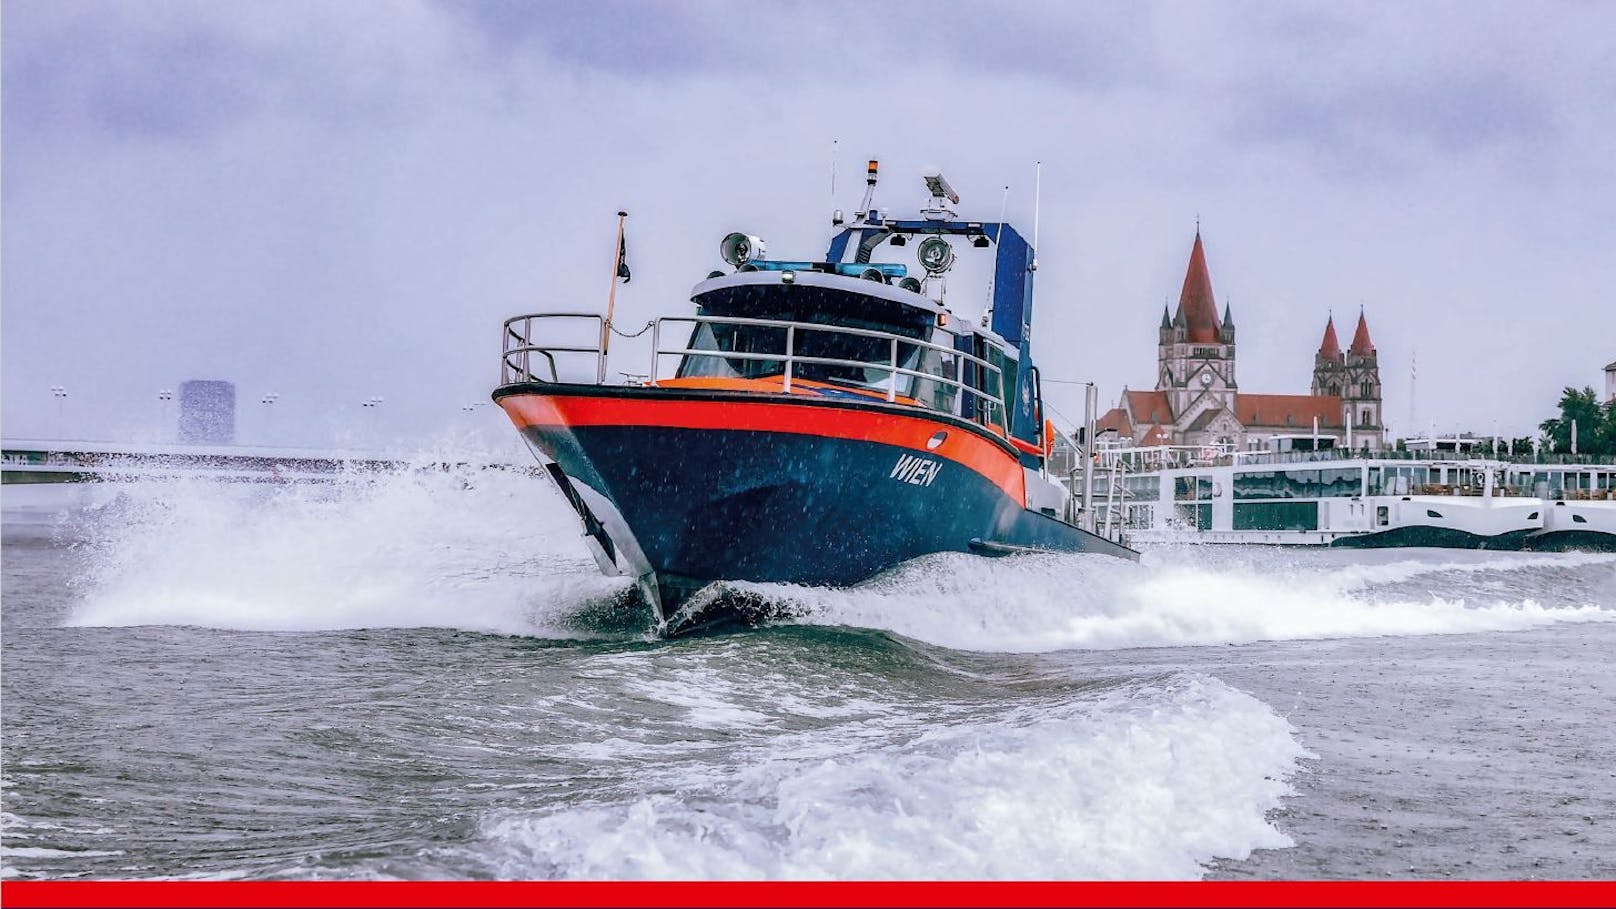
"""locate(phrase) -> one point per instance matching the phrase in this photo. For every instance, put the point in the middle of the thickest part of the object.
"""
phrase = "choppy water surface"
(423, 675)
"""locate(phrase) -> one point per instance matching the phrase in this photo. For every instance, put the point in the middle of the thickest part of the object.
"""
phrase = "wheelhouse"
(817, 331)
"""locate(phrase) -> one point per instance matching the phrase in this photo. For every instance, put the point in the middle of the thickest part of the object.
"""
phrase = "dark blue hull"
(690, 506)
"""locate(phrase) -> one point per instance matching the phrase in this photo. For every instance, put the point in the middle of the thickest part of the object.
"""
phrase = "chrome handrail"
(521, 370)
(992, 404)
(520, 349)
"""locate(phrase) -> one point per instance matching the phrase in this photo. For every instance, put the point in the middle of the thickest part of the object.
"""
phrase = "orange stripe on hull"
(961, 446)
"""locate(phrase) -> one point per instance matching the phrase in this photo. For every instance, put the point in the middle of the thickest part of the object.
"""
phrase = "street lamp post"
(373, 405)
(60, 394)
(268, 402)
(164, 395)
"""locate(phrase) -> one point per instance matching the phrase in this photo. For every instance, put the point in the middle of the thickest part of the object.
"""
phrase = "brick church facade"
(1198, 402)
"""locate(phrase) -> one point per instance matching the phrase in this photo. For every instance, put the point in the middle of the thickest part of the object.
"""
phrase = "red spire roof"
(1196, 302)
(1361, 345)
(1330, 347)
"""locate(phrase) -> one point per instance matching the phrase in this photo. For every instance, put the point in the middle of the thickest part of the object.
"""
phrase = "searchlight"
(738, 248)
(935, 255)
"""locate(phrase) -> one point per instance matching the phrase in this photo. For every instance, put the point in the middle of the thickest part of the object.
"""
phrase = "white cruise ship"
(1169, 494)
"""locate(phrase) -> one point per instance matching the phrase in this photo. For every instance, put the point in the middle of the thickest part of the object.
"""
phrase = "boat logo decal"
(918, 471)
(936, 439)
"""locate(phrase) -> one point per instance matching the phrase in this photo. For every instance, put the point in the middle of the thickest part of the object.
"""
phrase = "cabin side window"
(930, 392)
(750, 345)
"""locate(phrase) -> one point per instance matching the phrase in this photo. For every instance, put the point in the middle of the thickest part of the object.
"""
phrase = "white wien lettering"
(915, 471)
(905, 462)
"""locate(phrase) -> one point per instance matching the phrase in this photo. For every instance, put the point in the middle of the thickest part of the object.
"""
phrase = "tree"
(1596, 424)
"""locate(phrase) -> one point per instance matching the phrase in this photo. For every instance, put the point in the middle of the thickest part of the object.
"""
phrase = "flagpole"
(611, 301)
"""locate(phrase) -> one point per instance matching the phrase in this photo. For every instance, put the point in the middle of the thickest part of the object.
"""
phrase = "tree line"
(1596, 424)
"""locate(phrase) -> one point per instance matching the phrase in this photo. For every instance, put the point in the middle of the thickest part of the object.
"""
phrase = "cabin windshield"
(821, 348)
(860, 361)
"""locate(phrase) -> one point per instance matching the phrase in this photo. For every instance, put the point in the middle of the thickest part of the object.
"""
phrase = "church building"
(1197, 400)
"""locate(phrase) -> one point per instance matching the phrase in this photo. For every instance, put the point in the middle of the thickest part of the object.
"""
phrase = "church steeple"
(1361, 345)
(1196, 367)
(1196, 303)
(1330, 348)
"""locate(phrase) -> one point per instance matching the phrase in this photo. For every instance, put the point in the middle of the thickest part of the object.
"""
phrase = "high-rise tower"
(207, 412)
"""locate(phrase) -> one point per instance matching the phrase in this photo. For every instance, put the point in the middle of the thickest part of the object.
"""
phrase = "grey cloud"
(1078, 45)
(93, 71)
(620, 36)
(92, 75)
(1103, 47)
(1387, 123)
(1380, 91)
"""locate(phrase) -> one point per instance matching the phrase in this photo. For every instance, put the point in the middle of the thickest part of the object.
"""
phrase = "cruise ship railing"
(525, 359)
(1116, 497)
(1109, 516)
(1179, 457)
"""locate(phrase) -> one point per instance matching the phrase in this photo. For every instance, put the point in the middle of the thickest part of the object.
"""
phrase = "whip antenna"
(835, 213)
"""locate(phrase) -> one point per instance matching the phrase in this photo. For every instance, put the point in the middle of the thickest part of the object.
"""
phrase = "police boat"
(814, 422)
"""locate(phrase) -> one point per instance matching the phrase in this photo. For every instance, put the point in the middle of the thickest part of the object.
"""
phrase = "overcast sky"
(334, 201)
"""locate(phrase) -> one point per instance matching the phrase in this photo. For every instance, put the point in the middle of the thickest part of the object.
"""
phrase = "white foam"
(499, 551)
(481, 550)
(1349, 569)
(1150, 782)
(1050, 602)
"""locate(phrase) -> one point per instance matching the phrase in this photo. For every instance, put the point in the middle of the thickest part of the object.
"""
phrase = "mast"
(611, 301)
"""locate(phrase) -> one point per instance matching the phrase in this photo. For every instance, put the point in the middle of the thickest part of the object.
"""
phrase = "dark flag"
(622, 257)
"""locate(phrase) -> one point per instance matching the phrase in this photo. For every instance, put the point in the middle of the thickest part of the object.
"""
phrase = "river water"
(422, 675)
